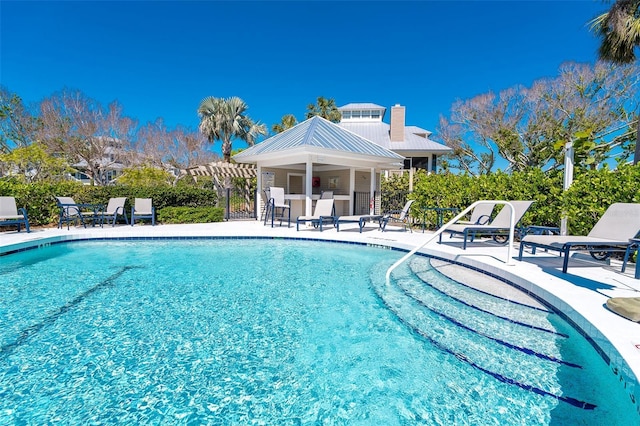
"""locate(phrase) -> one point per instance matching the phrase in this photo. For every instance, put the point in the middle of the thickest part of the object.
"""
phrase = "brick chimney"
(397, 123)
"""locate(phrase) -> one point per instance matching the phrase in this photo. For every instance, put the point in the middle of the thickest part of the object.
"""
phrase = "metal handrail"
(512, 225)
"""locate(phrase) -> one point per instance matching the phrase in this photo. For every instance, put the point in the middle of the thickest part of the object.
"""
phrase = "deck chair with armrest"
(398, 217)
(115, 208)
(323, 213)
(480, 215)
(277, 205)
(361, 220)
(70, 211)
(11, 215)
(498, 227)
(612, 233)
(143, 209)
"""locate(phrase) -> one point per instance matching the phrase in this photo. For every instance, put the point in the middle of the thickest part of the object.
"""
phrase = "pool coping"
(578, 296)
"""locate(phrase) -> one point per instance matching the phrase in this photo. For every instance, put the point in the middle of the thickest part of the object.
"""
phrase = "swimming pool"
(251, 331)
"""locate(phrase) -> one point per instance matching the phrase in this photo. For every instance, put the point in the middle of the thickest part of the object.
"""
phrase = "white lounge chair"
(143, 209)
(322, 213)
(398, 216)
(612, 233)
(276, 202)
(499, 226)
(361, 220)
(114, 209)
(11, 215)
(481, 215)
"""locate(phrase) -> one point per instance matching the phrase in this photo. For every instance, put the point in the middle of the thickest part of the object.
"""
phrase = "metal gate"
(238, 203)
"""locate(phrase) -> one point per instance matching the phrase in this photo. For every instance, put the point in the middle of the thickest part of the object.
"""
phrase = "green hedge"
(191, 215)
(39, 198)
(584, 202)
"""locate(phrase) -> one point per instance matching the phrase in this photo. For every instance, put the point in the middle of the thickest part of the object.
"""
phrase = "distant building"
(412, 142)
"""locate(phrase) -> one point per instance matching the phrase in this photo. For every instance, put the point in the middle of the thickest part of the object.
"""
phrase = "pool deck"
(580, 294)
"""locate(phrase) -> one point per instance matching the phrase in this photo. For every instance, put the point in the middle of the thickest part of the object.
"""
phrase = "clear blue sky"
(160, 59)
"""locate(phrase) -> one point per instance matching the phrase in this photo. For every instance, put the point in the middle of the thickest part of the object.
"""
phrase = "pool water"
(251, 331)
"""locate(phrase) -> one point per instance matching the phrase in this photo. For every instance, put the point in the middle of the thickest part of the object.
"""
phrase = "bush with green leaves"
(39, 198)
(190, 215)
(592, 192)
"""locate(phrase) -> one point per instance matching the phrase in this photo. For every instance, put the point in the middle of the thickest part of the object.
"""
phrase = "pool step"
(507, 351)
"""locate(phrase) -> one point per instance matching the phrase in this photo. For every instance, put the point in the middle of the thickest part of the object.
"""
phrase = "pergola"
(220, 170)
(319, 146)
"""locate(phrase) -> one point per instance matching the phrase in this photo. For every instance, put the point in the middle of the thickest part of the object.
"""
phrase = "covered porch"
(317, 156)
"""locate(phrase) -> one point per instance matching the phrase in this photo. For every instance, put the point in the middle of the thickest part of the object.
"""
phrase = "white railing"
(512, 225)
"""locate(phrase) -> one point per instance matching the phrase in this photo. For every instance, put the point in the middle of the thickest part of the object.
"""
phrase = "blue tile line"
(489, 294)
(479, 333)
(552, 308)
(533, 327)
(32, 330)
(573, 401)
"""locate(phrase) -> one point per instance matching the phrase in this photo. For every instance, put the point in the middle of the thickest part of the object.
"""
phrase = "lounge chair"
(114, 209)
(143, 209)
(323, 213)
(70, 211)
(498, 227)
(277, 202)
(612, 233)
(264, 195)
(481, 215)
(11, 215)
(361, 220)
(326, 194)
(398, 216)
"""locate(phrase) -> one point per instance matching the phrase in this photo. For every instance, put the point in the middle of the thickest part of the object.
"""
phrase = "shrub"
(190, 214)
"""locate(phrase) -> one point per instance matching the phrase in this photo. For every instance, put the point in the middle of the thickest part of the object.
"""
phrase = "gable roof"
(319, 135)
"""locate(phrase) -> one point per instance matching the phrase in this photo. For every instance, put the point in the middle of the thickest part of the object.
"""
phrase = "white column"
(372, 191)
(352, 189)
(429, 164)
(259, 205)
(308, 207)
(568, 180)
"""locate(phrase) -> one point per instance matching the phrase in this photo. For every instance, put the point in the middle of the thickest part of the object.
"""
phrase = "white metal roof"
(378, 132)
(319, 135)
(360, 106)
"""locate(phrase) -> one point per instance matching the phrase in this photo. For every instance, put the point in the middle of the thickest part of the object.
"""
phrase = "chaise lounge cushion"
(627, 307)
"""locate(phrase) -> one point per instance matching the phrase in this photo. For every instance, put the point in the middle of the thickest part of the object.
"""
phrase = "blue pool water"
(282, 332)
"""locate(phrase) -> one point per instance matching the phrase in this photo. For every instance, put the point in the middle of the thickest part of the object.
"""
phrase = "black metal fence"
(238, 203)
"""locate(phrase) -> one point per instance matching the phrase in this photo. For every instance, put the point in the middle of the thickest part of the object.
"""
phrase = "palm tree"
(619, 29)
(620, 32)
(286, 122)
(325, 108)
(225, 120)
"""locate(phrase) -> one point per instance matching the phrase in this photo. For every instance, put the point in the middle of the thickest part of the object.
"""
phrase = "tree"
(286, 122)
(620, 32)
(619, 29)
(172, 148)
(325, 108)
(145, 176)
(17, 125)
(590, 105)
(91, 137)
(32, 163)
(225, 120)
